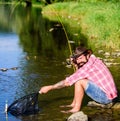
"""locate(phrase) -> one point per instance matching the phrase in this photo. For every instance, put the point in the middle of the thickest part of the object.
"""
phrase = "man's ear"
(90, 52)
(88, 56)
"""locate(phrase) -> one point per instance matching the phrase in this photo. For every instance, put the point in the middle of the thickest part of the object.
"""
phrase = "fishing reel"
(71, 61)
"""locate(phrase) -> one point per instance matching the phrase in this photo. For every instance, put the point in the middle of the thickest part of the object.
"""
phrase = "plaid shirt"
(96, 71)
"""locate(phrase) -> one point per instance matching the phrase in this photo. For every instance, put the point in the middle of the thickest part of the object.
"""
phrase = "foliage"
(53, 1)
(97, 21)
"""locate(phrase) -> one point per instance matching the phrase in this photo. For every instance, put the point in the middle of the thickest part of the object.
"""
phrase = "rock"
(79, 116)
(116, 105)
(95, 104)
(107, 54)
(100, 51)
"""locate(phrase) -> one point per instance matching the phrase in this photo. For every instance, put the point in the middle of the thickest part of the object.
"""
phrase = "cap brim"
(76, 55)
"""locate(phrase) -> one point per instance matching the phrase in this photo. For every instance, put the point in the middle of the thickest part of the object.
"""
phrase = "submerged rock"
(105, 115)
(79, 116)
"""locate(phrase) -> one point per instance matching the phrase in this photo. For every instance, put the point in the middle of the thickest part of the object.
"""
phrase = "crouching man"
(91, 77)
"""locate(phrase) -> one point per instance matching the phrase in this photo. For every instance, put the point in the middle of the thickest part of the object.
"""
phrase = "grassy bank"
(98, 21)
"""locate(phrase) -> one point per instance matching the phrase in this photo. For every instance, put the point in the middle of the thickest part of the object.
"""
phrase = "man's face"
(81, 60)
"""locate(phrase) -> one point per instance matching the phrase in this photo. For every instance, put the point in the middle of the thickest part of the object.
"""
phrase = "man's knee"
(82, 82)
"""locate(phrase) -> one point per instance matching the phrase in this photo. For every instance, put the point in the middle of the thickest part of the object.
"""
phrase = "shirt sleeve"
(78, 75)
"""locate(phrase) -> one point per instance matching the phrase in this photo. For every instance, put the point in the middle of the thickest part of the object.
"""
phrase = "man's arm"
(58, 85)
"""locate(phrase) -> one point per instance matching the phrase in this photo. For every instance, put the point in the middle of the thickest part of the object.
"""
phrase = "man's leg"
(72, 104)
(78, 95)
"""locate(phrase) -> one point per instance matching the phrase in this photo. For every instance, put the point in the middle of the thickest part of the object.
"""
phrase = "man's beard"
(81, 64)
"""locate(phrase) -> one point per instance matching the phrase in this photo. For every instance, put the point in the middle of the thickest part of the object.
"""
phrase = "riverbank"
(97, 21)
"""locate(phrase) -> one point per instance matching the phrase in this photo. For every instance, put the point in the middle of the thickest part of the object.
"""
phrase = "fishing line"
(16, 4)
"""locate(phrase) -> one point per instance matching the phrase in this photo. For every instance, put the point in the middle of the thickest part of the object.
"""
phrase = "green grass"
(98, 21)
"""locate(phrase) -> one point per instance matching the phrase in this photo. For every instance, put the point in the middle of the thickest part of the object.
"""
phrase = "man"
(91, 76)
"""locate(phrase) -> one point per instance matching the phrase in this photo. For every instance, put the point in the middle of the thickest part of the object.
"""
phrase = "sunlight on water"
(9, 57)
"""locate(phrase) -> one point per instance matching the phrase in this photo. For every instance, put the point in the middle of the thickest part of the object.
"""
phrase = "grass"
(99, 22)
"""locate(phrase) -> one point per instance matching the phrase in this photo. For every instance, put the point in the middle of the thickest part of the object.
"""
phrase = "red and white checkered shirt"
(96, 71)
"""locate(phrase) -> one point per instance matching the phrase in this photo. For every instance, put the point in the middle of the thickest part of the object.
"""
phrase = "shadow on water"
(39, 49)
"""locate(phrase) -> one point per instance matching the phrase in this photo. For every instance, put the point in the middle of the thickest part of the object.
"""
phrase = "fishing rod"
(68, 42)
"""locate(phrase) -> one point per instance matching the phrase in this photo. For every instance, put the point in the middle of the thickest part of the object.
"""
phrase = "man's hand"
(45, 89)
(74, 64)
